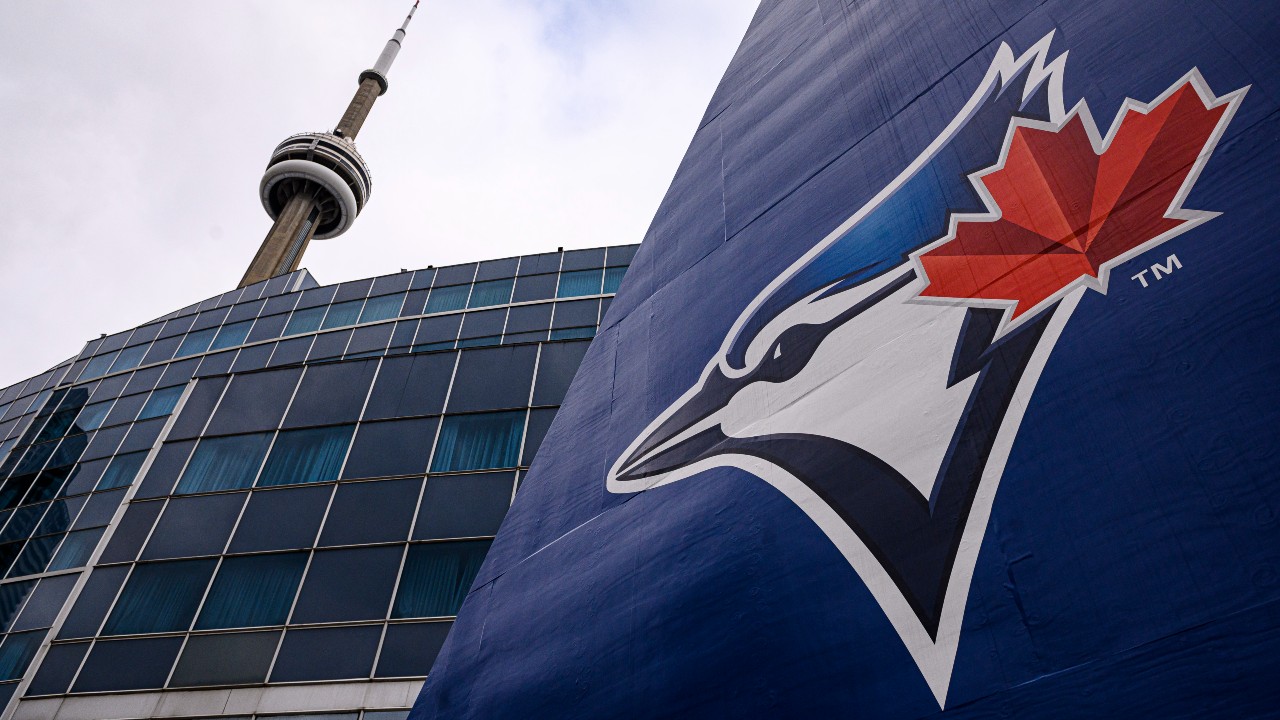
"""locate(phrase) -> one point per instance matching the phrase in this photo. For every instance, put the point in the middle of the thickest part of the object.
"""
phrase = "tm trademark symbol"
(1159, 270)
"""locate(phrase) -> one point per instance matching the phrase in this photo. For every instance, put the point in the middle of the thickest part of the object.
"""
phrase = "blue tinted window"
(161, 403)
(412, 385)
(91, 416)
(613, 278)
(97, 367)
(303, 321)
(231, 335)
(16, 653)
(122, 470)
(305, 456)
(583, 259)
(479, 442)
(131, 532)
(494, 292)
(160, 597)
(58, 667)
(76, 549)
(382, 308)
(436, 578)
(342, 314)
(493, 379)
(92, 603)
(443, 299)
(224, 463)
(330, 394)
(408, 651)
(196, 342)
(252, 591)
(254, 402)
(581, 282)
(129, 358)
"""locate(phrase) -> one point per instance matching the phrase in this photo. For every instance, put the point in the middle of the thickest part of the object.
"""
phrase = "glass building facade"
(271, 503)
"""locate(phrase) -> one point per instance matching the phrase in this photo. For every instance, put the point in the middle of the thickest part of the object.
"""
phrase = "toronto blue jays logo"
(880, 381)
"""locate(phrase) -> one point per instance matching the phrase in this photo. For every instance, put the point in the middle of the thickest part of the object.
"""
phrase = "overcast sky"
(135, 133)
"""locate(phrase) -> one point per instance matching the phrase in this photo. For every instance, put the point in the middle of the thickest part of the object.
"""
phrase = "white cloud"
(137, 131)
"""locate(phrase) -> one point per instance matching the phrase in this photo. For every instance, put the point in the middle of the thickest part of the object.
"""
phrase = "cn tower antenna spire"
(316, 183)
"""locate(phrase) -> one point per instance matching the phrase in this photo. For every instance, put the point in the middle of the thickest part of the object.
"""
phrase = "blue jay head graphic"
(767, 359)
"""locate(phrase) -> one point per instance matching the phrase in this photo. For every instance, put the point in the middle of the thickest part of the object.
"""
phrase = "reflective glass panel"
(160, 597)
(581, 282)
(231, 335)
(224, 463)
(253, 590)
(303, 321)
(437, 576)
(306, 456)
(443, 299)
(479, 442)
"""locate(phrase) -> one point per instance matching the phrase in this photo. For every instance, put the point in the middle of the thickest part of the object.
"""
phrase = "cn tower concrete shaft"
(358, 110)
(282, 249)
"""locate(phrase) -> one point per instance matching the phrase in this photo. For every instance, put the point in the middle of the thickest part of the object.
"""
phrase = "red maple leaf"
(1066, 209)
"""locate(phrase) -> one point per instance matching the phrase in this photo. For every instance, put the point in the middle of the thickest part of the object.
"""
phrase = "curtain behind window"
(252, 591)
(437, 576)
(224, 463)
(306, 456)
(479, 442)
(160, 597)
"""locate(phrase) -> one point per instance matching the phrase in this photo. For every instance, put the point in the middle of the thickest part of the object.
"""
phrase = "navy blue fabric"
(1131, 565)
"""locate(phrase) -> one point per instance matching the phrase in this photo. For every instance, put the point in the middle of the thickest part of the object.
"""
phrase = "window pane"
(160, 597)
(494, 292)
(12, 595)
(579, 313)
(281, 519)
(413, 385)
(57, 669)
(349, 584)
(479, 442)
(122, 470)
(529, 318)
(437, 577)
(535, 287)
(395, 447)
(233, 659)
(45, 603)
(327, 654)
(331, 394)
(196, 342)
(195, 413)
(303, 321)
(305, 456)
(382, 308)
(573, 333)
(409, 651)
(224, 463)
(16, 653)
(485, 323)
(253, 590)
(231, 335)
(448, 298)
(92, 416)
(556, 368)
(463, 505)
(342, 314)
(583, 259)
(161, 402)
(582, 282)
(455, 274)
(76, 549)
(92, 603)
(371, 512)
(129, 358)
(128, 665)
(99, 509)
(132, 531)
(254, 402)
(163, 473)
(613, 278)
(493, 378)
(194, 526)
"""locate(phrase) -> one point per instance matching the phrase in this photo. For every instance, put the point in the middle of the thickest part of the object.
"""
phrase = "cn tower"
(317, 183)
